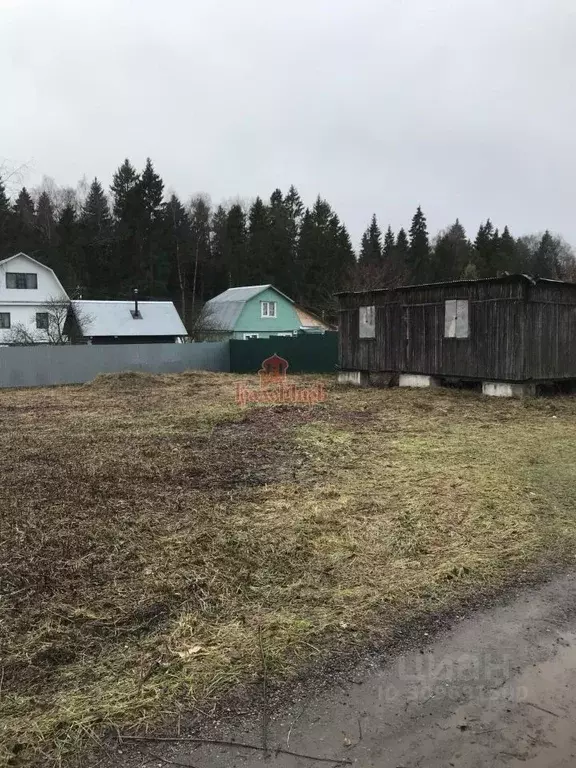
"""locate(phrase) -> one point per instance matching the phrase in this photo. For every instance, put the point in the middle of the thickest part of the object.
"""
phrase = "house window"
(250, 336)
(4, 319)
(268, 308)
(42, 321)
(24, 280)
(456, 319)
(367, 326)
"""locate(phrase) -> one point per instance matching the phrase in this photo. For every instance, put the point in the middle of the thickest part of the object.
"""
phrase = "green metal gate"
(312, 353)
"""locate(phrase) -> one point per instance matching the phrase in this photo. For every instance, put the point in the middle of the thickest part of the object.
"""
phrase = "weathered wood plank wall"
(517, 331)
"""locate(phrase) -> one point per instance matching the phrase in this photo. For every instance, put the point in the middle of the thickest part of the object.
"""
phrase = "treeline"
(410, 257)
(104, 243)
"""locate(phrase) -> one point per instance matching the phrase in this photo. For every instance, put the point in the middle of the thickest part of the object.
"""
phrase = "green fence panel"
(305, 354)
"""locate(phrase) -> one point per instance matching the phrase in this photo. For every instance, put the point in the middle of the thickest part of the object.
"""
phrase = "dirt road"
(498, 688)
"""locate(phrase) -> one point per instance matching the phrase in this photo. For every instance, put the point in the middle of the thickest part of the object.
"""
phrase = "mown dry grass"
(151, 530)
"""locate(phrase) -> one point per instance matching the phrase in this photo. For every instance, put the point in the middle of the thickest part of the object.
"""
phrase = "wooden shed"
(509, 333)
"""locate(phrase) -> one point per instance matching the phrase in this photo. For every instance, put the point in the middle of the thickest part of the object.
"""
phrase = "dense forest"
(104, 243)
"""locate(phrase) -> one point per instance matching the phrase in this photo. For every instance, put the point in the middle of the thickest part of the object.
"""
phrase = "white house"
(28, 290)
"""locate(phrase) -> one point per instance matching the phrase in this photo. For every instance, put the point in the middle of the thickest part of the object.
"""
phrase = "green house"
(257, 312)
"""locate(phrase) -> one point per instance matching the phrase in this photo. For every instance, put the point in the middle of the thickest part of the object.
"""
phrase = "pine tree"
(284, 217)
(546, 258)
(389, 245)
(124, 182)
(236, 245)
(258, 269)
(200, 215)
(402, 256)
(178, 245)
(72, 274)
(96, 239)
(25, 235)
(484, 253)
(151, 269)
(508, 252)
(452, 253)
(371, 247)
(419, 262)
(216, 274)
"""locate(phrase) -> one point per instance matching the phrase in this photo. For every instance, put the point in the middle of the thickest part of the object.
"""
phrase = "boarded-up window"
(367, 328)
(456, 319)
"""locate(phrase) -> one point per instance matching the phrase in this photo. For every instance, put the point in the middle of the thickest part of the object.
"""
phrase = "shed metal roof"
(114, 318)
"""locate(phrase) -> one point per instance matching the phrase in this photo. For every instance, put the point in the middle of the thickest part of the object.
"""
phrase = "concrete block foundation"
(507, 389)
(355, 378)
(417, 380)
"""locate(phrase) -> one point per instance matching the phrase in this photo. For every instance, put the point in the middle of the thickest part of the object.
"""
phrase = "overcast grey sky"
(467, 107)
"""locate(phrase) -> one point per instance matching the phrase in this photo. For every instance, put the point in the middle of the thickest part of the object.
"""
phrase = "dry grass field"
(153, 533)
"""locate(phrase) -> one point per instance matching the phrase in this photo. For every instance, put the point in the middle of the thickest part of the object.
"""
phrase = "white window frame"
(251, 336)
(456, 319)
(268, 309)
(367, 322)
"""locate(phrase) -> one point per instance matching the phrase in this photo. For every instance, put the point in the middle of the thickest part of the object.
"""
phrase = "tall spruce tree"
(96, 239)
(484, 252)
(389, 245)
(546, 258)
(216, 274)
(402, 256)
(371, 247)
(236, 245)
(419, 262)
(25, 233)
(179, 249)
(72, 273)
(258, 268)
(151, 272)
(508, 252)
(126, 207)
(200, 212)
(452, 253)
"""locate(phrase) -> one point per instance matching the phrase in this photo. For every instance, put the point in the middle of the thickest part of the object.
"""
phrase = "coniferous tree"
(546, 258)
(402, 251)
(200, 215)
(371, 247)
(236, 245)
(508, 252)
(484, 254)
(258, 268)
(452, 253)
(279, 262)
(96, 239)
(389, 245)
(419, 262)
(152, 268)
(126, 209)
(179, 249)
(70, 253)
(25, 235)
(216, 273)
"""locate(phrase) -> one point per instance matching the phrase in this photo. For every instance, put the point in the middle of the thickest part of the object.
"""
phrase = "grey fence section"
(45, 365)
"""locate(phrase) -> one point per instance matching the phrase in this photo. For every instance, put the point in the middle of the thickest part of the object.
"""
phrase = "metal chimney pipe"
(136, 313)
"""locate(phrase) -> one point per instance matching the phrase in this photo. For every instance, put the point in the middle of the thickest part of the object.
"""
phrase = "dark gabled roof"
(501, 279)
